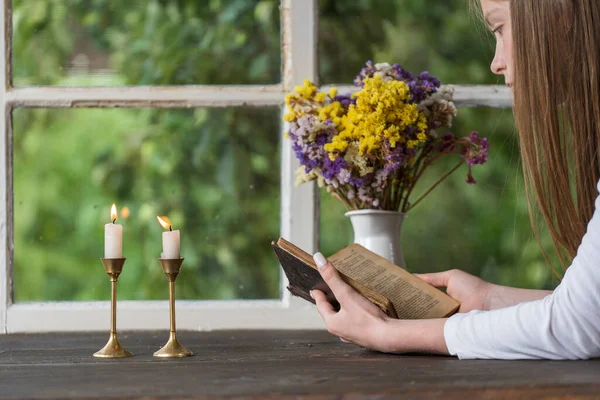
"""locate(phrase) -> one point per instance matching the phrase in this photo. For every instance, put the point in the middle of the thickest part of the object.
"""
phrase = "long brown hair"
(556, 80)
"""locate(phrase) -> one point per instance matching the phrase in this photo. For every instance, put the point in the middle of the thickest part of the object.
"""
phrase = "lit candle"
(170, 240)
(113, 236)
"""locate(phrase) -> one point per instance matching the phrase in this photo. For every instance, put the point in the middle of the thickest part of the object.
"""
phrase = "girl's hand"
(359, 321)
(472, 292)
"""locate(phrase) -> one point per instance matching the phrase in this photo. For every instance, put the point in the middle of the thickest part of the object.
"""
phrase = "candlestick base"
(113, 349)
(173, 349)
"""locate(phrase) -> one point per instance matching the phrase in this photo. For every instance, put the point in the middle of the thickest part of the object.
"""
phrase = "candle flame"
(164, 222)
(113, 213)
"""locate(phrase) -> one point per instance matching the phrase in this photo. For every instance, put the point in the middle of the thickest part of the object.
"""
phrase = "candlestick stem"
(172, 304)
(113, 349)
(113, 306)
(173, 348)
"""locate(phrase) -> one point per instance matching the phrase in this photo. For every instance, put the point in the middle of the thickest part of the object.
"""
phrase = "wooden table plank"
(270, 364)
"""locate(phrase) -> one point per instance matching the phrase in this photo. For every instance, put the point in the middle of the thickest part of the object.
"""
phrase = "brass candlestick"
(113, 349)
(171, 269)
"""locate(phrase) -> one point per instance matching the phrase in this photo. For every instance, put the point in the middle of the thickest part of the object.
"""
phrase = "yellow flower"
(306, 91)
(333, 92)
(333, 111)
(368, 144)
(320, 97)
(304, 100)
(412, 144)
(337, 145)
(382, 113)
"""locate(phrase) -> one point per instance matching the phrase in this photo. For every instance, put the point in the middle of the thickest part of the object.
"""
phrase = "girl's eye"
(498, 30)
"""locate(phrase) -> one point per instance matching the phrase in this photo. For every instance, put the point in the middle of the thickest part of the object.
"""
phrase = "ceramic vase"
(379, 231)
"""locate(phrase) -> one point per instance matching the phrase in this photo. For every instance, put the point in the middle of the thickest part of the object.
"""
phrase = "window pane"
(145, 42)
(442, 37)
(483, 229)
(214, 172)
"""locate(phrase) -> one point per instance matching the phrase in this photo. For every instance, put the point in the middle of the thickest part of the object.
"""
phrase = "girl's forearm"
(504, 296)
(412, 336)
(427, 335)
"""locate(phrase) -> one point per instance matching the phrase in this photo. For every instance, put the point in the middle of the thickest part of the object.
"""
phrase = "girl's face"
(497, 17)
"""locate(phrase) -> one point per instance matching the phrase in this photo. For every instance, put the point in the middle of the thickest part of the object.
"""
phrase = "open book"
(396, 291)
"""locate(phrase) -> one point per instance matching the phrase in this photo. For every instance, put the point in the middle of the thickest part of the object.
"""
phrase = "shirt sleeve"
(562, 325)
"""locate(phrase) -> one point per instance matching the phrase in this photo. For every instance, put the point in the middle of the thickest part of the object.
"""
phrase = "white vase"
(379, 231)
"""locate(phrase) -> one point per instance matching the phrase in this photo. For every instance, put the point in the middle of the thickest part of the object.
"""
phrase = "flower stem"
(435, 185)
(420, 165)
(340, 196)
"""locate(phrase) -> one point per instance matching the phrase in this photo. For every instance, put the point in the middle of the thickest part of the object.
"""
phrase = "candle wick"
(114, 220)
(171, 228)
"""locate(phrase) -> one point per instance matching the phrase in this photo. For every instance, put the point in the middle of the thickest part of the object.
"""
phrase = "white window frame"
(299, 205)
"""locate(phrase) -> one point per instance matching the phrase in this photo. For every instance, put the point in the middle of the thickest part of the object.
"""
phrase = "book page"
(412, 298)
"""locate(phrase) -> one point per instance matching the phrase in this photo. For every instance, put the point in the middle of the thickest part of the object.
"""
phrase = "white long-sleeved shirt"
(562, 325)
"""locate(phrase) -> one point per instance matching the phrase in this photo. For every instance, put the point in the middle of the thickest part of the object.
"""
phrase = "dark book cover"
(303, 277)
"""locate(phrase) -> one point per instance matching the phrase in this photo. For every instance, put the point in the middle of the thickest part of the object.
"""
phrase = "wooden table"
(270, 364)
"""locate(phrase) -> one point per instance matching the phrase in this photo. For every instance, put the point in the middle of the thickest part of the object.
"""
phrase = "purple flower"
(321, 140)
(366, 72)
(397, 157)
(395, 160)
(431, 80)
(308, 137)
(477, 152)
(344, 176)
(423, 86)
(402, 74)
(381, 180)
(365, 195)
(360, 182)
(345, 99)
(331, 169)
(393, 166)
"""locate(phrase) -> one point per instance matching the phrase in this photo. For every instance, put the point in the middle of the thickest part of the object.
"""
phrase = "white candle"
(113, 236)
(170, 240)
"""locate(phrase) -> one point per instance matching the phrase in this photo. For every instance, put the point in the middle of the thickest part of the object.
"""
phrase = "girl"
(553, 67)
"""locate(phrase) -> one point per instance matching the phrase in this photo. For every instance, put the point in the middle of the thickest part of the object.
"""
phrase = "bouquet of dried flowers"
(370, 147)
